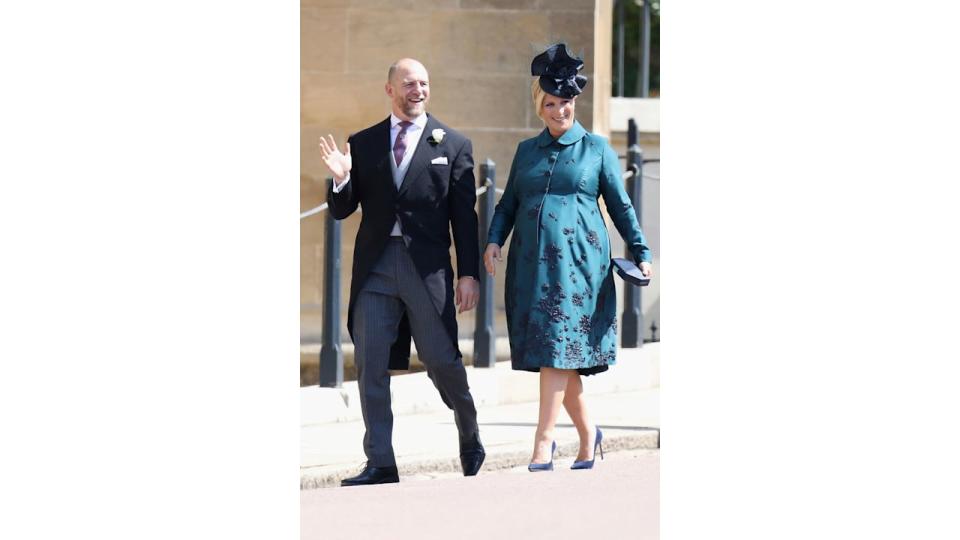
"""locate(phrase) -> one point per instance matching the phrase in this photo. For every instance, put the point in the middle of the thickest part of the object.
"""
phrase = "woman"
(560, 297)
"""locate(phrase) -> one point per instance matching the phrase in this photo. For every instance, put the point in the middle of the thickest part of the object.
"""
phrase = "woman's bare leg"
(553, 382)
(576, 407)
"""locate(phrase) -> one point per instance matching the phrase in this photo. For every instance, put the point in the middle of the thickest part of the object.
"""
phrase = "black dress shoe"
(471, 461)
(373, 475)
(471, 454)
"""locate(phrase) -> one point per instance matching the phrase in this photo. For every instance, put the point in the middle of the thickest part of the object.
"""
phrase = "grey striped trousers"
(395, 286)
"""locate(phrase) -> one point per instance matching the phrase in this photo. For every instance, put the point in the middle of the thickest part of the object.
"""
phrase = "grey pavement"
(618, 498)
(624, 402)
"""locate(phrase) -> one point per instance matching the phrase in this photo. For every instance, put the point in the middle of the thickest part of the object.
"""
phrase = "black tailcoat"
(433, 199)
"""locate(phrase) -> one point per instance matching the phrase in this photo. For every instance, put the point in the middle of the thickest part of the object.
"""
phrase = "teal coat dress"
(560, 298)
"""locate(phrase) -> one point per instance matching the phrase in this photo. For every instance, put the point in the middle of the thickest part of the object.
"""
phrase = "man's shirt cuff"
(338, 189)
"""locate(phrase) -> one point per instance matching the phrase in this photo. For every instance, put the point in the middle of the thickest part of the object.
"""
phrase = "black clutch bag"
(630, 272)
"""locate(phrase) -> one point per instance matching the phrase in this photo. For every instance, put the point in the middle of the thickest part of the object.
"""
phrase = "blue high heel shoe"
(548, 466)
(596, 445)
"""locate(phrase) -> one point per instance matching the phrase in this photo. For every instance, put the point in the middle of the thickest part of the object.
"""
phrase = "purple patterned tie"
(400, 145)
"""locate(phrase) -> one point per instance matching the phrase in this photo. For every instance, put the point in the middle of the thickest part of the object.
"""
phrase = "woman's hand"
(646, 269)
(492, 252)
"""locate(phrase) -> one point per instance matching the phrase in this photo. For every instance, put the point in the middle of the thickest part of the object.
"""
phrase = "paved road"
(617, 499)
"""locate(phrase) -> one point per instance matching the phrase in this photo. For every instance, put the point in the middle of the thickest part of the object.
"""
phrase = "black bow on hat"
(558, 72)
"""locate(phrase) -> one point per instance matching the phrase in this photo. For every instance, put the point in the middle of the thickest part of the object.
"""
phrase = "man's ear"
(388, 89)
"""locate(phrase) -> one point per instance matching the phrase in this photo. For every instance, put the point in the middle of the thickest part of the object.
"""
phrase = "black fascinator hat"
(558, 72)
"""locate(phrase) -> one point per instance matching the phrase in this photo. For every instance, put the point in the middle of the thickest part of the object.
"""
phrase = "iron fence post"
(632, 320)
(484, 339)
(331, 350)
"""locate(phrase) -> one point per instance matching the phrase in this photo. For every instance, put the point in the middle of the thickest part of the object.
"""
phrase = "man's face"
(409, 90)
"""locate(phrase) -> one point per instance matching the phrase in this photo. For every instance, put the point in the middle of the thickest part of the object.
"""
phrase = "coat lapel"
(421, 156)
(382, 158)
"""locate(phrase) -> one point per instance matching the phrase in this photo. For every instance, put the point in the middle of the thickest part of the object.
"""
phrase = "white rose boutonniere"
(437, 135)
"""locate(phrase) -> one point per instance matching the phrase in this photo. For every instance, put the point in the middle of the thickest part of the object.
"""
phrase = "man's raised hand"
(338, 163)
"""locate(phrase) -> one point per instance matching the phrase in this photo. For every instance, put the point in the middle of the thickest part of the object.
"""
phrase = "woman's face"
(557, 113)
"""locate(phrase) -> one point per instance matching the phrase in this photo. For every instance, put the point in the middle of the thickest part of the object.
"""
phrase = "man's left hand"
(467, 294)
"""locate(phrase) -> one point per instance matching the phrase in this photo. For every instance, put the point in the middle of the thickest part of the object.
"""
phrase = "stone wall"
(478, 55)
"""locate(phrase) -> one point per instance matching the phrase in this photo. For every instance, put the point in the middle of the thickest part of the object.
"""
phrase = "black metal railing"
(631, 320)
(484, 335)
(331, 346)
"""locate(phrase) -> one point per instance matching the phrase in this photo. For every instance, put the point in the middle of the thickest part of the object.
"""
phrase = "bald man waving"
(413, 177)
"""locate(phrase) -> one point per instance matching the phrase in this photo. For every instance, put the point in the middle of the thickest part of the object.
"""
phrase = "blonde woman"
(560, 297)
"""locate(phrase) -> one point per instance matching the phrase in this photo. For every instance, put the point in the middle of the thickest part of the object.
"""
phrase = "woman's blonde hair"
(538, 95)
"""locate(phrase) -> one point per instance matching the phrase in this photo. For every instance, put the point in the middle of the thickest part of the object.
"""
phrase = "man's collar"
(420, 121)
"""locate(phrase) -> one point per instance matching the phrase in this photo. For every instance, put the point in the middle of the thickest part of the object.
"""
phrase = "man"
(414, 178)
